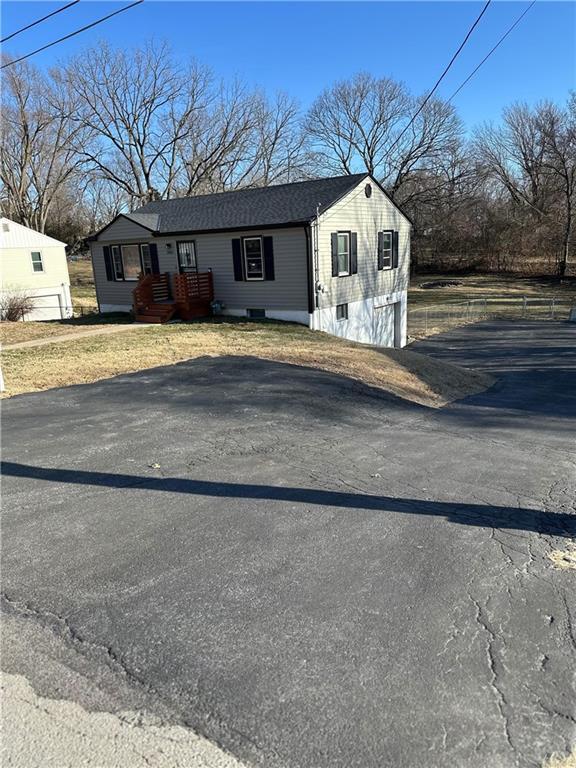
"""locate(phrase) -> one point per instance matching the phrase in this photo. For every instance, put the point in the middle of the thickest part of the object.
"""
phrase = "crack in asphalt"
(501, 702)
(62, 626)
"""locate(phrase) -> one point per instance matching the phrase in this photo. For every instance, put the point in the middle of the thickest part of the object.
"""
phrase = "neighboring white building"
(35, 264)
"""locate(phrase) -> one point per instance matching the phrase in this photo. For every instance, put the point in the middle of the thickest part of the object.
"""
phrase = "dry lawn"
(407, 374)
(477, 286)
(14, 333)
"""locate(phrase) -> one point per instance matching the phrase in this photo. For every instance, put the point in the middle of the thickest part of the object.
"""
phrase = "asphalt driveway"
(305, 570)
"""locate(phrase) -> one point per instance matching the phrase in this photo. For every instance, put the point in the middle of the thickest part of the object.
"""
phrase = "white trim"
(391, 249)
(347, 272)
(244, 241)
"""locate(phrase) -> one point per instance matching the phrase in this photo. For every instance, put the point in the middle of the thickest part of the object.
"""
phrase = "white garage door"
(46, 308)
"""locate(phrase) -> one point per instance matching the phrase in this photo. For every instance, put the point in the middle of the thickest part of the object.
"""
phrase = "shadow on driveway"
(479, 515)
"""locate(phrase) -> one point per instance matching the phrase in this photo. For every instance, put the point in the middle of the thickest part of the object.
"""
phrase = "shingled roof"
(282, 204)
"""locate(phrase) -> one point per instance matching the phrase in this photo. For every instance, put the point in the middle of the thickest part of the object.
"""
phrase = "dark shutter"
(334, 238)
(108, 262)
(154, 258)
(353, 253)
(237, 259)
(268, 246)
(394, 250)
(380, 250)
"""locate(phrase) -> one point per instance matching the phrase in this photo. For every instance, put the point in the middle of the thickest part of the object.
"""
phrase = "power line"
(72, 34)
(443, 75)
(491, 51)
(38, 21)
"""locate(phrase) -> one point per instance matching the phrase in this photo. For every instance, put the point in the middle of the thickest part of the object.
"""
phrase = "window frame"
(348, 236)
(342, 309)
(194, 253)
(117, 260)
(245, 259)
(128, 245)
(389, 232)
(41, 262)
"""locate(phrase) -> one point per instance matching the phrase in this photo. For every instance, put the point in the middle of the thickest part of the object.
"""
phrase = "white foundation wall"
(287, 315)
(378, 320)
(115, 307)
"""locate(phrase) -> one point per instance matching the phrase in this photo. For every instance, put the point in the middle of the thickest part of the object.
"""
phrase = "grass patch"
(403, 373)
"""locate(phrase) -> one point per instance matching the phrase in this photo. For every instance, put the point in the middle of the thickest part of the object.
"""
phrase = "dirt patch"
(407, 374)
(564, 559)
(558, 761)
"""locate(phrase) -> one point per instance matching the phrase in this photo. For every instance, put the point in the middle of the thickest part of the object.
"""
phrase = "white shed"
(35, 264)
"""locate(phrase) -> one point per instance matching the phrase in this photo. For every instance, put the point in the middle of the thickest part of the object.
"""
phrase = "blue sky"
(303, 47)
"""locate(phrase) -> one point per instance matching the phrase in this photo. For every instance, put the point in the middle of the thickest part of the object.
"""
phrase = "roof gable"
(13, 235)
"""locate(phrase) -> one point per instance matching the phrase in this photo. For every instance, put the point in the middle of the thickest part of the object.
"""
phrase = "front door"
(187, 256)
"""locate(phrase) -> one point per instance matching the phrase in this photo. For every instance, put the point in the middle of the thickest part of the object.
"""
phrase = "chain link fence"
(426, 321)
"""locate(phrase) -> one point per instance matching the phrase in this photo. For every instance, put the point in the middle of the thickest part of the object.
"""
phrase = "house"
(35, 265)
(332, 254)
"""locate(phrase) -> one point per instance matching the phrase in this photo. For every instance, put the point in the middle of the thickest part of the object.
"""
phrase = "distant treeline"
(111, 129)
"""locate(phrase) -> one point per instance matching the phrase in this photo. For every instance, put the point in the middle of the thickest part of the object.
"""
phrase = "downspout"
(310, 270)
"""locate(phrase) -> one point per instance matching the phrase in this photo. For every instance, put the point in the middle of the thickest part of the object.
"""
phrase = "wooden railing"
(151, 289)
(193, 293)
(192, 286)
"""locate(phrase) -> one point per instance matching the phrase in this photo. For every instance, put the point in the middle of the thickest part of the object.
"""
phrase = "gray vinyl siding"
(288, 291)
(123, 231)
(365, 216)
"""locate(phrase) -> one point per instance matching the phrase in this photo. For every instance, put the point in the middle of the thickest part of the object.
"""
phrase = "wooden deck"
(160, 298)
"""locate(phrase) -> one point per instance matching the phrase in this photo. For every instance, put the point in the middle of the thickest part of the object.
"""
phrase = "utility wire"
(491, 51)
(443, 75)
(38, 21)
(72, 34)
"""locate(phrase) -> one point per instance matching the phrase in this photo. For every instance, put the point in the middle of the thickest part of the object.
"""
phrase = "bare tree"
(140, 106)
(359, 124)
(532, 156)
(38, 156)
(241, 139)
(558, 128)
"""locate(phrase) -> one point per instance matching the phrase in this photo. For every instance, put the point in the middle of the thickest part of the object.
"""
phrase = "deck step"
(156, 313)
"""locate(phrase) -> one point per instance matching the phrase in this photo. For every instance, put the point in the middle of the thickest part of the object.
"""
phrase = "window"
(187, 256)
(341, 311)
(37, 264)
(146, 259)
(343, 253)
(256, 314)
(386, 239)
(253, 259)
(117, 263)
(131, 261)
